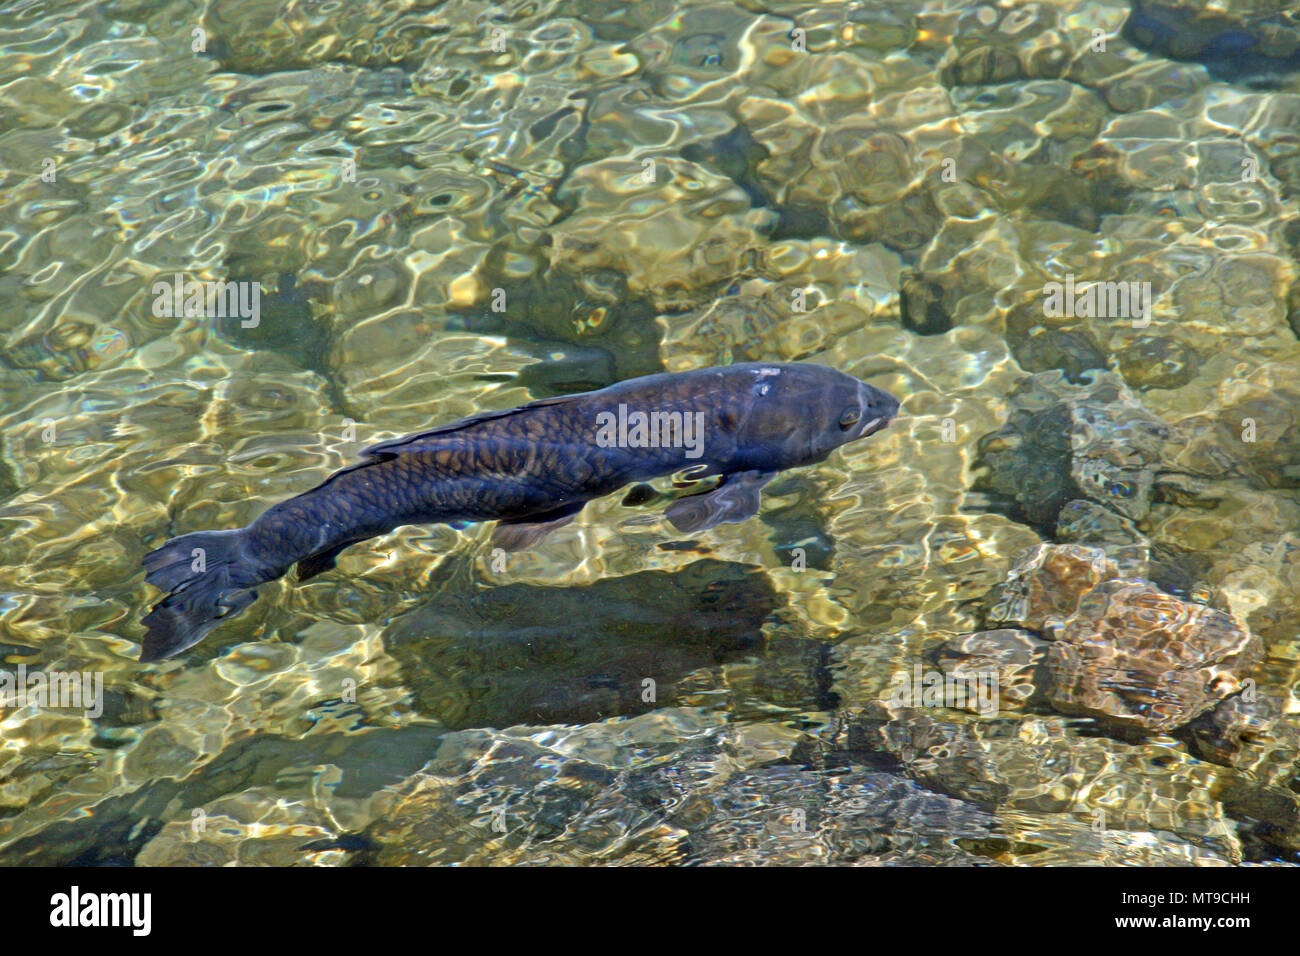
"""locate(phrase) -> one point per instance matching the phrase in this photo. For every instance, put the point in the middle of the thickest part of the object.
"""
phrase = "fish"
(531, 469)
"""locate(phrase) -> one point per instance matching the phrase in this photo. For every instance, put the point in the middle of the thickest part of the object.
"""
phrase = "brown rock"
(1136, 655)
(1123, 650)
(1045, 588)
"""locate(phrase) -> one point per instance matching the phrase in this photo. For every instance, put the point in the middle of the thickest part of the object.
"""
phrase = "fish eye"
(850, 416)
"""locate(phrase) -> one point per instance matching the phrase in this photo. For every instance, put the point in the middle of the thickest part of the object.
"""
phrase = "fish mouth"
(884, 405)
(873, 426)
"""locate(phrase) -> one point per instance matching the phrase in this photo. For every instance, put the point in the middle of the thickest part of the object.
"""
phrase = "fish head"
(801, 413)
(878, 407)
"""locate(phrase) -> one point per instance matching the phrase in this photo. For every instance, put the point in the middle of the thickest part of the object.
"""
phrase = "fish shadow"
(529, 654)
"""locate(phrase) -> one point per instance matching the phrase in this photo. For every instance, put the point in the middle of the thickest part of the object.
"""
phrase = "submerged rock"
(995, 44)
(1088, 523)
(1122, 650)
(1045, 587)
(1152, 362)
(661, 788)
(256, 827)
(1250, 732)
(1073, 351)
(672, 230)
(1064, 442)
(496, 799)
(1137, 656)
(262, 37)
(786, 815)
(1241, 38)
(1247, 423)
(1013, 655)
(1030, 770)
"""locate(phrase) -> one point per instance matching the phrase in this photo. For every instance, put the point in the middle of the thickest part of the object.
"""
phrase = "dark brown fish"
(532, 469)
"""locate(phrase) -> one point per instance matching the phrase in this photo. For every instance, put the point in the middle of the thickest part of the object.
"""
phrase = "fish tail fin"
(208, 575)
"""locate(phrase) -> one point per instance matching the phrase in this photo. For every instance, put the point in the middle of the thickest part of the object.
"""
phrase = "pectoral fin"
(736, 498)
(517, 534)
(320, 562)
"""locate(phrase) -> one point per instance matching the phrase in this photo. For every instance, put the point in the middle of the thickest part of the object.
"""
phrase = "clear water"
(460, 206)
